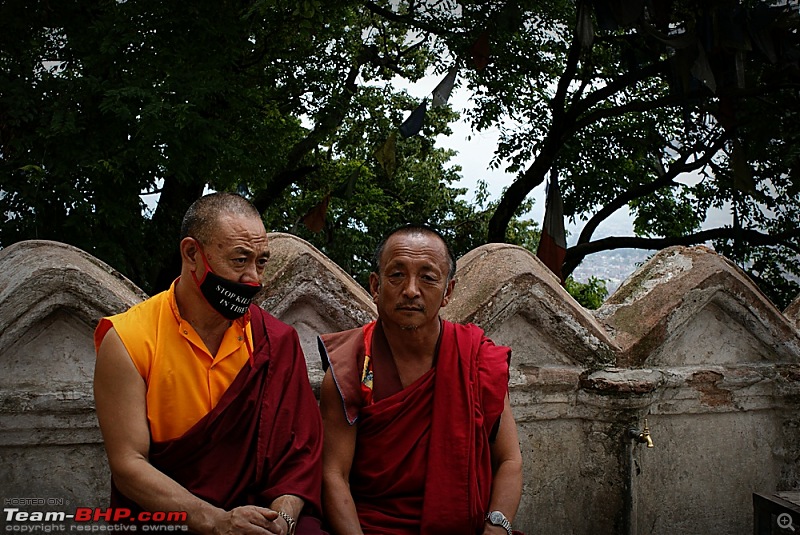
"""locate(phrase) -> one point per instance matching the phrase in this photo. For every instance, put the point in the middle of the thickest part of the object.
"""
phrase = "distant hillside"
(613, 266)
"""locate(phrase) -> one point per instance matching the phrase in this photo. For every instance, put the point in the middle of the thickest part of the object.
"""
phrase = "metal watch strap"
(504, 523)
(291, 522)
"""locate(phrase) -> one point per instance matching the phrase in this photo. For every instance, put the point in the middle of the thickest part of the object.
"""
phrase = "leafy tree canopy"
(670, 107)
(104, 102)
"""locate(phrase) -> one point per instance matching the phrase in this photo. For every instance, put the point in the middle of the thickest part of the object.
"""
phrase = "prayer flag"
(314, 220)
(386, 155)
(585, 29)
(742, 172)
(701, 70)
(442, 92)
(413, 124)
(553, 241)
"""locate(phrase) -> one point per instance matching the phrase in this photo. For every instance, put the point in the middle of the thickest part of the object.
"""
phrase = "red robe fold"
(261, 441)
(422, 462)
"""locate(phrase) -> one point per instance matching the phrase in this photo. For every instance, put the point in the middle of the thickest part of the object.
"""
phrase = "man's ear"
(189, 251)
(448, 291)
(374, 285)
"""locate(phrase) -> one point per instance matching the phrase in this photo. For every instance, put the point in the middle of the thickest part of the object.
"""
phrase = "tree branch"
(328, 120)
(617, 111)
(515, 195)
(669, 100)
(615, 86)
(570, 70)
(388, 14)
(534, 175)
(665, 179)
(751, 237)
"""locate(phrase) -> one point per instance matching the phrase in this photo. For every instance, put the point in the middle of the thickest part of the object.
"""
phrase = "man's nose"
(411, 289)
(250, 275)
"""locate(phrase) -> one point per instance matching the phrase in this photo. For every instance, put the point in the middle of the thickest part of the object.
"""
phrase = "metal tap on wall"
(642, 436)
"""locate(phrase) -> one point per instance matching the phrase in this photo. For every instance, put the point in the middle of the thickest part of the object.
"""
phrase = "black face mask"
(231, 299)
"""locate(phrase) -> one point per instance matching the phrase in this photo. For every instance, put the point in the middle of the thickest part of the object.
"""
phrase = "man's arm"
(506, 470)
(339, 446)
(120, 399)
(289, 504)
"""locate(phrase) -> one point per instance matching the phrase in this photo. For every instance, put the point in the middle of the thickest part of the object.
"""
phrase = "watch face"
(496, 518)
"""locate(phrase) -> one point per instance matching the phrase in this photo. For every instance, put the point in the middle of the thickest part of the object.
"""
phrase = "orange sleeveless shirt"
(184, 381)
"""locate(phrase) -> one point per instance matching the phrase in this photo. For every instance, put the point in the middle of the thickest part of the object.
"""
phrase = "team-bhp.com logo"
(94, 519)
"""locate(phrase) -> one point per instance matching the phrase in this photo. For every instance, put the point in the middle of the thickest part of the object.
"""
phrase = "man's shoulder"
(474, 336)
(465, 329)
(341, 335)
(273, 325)
(341, 348)
(145, 309)
(135, 325)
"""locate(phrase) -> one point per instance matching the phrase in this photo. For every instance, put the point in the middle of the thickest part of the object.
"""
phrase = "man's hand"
(250, 519)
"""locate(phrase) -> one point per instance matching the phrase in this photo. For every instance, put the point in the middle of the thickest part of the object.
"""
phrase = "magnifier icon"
(785, 521)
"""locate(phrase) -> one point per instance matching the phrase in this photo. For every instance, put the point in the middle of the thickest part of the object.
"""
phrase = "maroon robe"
(422, 462)
(262, 440)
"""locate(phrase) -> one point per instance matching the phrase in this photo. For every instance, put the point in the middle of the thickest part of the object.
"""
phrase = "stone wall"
(51, 296)
(687, 342)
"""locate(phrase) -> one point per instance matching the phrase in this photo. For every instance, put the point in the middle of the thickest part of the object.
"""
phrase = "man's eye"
(262, 262)
(240, 260)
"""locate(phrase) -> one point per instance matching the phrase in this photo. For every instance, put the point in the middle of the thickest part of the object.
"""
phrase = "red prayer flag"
(553, 242)
(314, 220)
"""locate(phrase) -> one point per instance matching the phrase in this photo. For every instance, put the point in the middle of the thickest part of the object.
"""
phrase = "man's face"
(237, 249)
(412, 284)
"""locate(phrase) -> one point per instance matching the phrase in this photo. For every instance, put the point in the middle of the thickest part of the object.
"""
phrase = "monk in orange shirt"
(203, 398)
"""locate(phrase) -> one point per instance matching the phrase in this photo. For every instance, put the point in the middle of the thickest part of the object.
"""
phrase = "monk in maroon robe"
(419, 434)
(203, 399)
(237, 455)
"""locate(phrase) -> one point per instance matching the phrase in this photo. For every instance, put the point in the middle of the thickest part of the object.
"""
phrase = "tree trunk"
(164, 232)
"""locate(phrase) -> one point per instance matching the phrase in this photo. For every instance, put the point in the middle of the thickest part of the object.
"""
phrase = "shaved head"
(416, 230)
(203, 215)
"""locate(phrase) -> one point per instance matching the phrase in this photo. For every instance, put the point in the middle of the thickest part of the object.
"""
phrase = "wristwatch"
(496, 518)
(292, 524)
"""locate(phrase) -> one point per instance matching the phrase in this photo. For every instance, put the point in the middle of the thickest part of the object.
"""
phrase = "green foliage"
(103, 102)
(114, 99)
(590, 294)
(672, 111)
(363, 209)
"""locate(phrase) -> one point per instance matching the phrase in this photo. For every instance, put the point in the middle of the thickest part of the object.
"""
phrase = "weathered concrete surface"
(506, 289)
(688, 342)
(719, 376)
(707, 466)
(679, 285)
(51, 297)
(793, 312)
